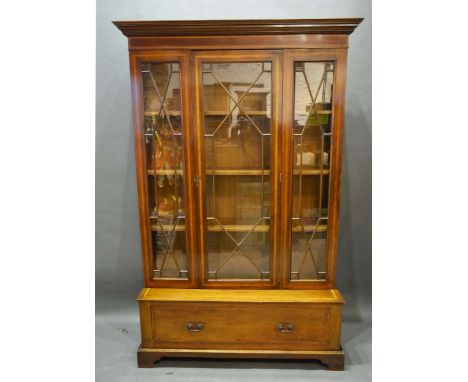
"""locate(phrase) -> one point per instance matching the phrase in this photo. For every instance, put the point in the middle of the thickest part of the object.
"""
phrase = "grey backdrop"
(118, 266)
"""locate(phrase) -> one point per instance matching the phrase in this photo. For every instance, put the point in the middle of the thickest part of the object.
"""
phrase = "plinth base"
(334, 360)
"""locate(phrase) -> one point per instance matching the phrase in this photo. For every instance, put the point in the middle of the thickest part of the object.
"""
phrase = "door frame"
(197, 60)
(183, 58)
(339, 56)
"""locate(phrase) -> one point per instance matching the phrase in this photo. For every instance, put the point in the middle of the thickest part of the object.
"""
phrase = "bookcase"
(238, 139)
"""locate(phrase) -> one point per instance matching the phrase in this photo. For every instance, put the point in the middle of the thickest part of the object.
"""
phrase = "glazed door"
(311, 136)
(162, 136)
(237, 110)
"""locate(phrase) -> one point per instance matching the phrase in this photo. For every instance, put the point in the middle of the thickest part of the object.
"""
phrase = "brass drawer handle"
(194, 327)
(285, 328)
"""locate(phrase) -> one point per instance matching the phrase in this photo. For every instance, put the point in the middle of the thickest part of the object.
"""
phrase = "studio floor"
(118, 337)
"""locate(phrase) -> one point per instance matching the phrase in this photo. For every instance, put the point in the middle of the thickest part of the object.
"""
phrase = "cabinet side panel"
(336, 157)
(145, 324)
(140, 160)
(335, 327)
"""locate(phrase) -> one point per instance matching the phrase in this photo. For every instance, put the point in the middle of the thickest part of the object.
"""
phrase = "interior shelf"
(234, 172)
(238, 228)
(226, 112)
(310, 171)
(239, 171)
(255, 112)
(165, 172)
(171, 113)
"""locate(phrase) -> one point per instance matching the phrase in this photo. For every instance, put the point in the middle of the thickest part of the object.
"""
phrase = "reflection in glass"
(237, 129)
(311, 161)
(164, 143)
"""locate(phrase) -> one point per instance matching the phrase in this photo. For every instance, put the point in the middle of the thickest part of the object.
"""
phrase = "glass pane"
(237, 128)
(311, 157)
(164, 153)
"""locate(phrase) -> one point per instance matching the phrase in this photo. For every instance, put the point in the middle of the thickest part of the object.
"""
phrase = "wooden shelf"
(310, 228)
(165, 172)
(172, 113)
(238, 228)
(212, 228)
(168, 228)
(231, 172)
(239, 171)
(310, 171)
(235, 172)
(224, 113)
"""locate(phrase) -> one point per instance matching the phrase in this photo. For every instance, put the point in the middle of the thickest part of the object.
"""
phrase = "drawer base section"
(294, 324)
(333, 359)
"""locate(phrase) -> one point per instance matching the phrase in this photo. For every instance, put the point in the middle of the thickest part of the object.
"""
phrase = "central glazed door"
(237, 116)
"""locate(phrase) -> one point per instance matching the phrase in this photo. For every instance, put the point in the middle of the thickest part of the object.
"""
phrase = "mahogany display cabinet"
(238, 139)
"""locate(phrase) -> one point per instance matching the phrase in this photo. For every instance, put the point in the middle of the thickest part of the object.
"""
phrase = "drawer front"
(286, 326)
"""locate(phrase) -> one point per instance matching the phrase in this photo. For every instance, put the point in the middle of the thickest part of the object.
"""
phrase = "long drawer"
(240, 325)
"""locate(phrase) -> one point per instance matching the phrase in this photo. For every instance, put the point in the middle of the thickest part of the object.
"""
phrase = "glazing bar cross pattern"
(312, 140)
(163, 133)
(237, 117)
